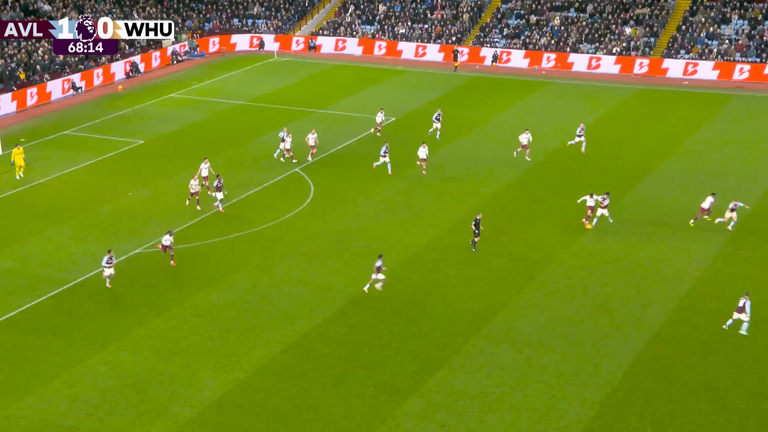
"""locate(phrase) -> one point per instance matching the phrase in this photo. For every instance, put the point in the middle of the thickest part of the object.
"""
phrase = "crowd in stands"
(425, 21)
(32, 61)
(721, 31)
(622, 27)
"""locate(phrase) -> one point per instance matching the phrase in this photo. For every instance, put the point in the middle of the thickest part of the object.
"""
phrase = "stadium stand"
(425, 21)
(626, 27)
(721, 31)
(25, 63)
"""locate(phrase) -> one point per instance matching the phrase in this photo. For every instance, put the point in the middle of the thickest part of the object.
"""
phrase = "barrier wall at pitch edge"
(638, 66)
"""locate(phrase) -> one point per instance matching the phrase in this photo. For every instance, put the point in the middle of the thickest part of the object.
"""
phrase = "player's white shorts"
(384, 159)
(436, 126)
(379, 276)
(109, 272)
(579, 139)
(219, 196)
(602, 212)
(738, 316)
(729, 214)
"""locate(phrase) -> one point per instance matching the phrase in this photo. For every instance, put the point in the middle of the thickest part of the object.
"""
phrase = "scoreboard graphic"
(86, 36)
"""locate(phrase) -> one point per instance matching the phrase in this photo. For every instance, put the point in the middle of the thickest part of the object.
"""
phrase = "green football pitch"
(263, 323)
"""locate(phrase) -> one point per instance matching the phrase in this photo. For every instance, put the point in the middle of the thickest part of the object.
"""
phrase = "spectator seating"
(722, 31)
(626, 27)
(425, 21)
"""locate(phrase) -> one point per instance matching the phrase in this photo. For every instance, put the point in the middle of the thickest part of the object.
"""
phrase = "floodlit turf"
(547, 327)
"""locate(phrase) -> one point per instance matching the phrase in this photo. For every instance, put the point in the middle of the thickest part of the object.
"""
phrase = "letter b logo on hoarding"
(297, 44)
(690, 69)
(341, 45)
(421, 51)
(548, 60)
(505, 57)
(380, 48)
(641, 66)
(593, 63)
(741, 72)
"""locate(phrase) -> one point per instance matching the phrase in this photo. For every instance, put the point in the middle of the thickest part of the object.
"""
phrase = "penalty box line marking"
(252, 230)
(277, 106)
(153, 242)
(145, 103)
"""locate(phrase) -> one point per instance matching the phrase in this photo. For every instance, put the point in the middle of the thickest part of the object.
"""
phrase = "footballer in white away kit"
(283, 135)
(437, 121)
(742, 312)
(203, 173)
(590, 199)
(166, 245)
(423, 154)
(384, 157)
(705, 211)
(194, 191)
(602, 208)
(731, 213)
(525, 140)
(580, 138)
(377, 276)
(287, 152)
(379, 122)
(108, 263)
(312, 141)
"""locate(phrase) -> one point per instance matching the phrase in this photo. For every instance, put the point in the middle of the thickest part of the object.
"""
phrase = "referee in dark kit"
(456, 54)
(476, 227)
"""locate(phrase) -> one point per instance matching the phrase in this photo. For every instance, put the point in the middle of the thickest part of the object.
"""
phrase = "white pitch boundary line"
(143, 104)
(586, 81)
(276, 106)
(104, 137)
(306, 203)
(71, 284)
(136, 143)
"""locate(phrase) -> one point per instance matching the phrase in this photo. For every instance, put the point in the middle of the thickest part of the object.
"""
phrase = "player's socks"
(718, 220)
(744, 328)
(389, 167)
(571, 142)
(108, 283)
(438, 134)
(365, 288)
(609, 219)
(594, 222)
(277, 153)
(732, 224)
(584, 146)
(21, 173)
(728, 324)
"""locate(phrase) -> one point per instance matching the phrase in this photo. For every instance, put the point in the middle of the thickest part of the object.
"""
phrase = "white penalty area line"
(153, 242)
(252, 230)
(104, 137)
(135, 143)
(145, 104)
(321, 111)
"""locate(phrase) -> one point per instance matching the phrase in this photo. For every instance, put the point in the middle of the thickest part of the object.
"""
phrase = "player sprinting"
(742, 312)
(18, 160)
(378, 275)
(194, 191)
(384, 157)
(287, 152)
(423, 153)
(166, 245)
(437, 121)
(203, 173)
(283, 135)
(312, 142)
(733, 207)
(525, 140)
(602, 208)
(220, 190)
(379, 122)
(590, 199)
(108, 264)
(580, 138)
(705, 211)
(477, 226)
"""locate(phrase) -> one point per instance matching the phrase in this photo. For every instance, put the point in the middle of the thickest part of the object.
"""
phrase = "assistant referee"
(476, 227)
(456, 54)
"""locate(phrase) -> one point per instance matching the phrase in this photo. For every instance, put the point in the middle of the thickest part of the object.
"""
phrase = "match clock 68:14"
(77, 47)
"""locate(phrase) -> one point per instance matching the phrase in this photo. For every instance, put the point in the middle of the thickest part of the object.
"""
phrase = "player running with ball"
(525, 139)
(423, 153)
(733, 207)
(602, 208)
(590, 199)
(166, 245)
(742, 313)
(705, 211)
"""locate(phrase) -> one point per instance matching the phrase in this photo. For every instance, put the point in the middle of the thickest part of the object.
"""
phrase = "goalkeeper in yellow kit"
(17, 159)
